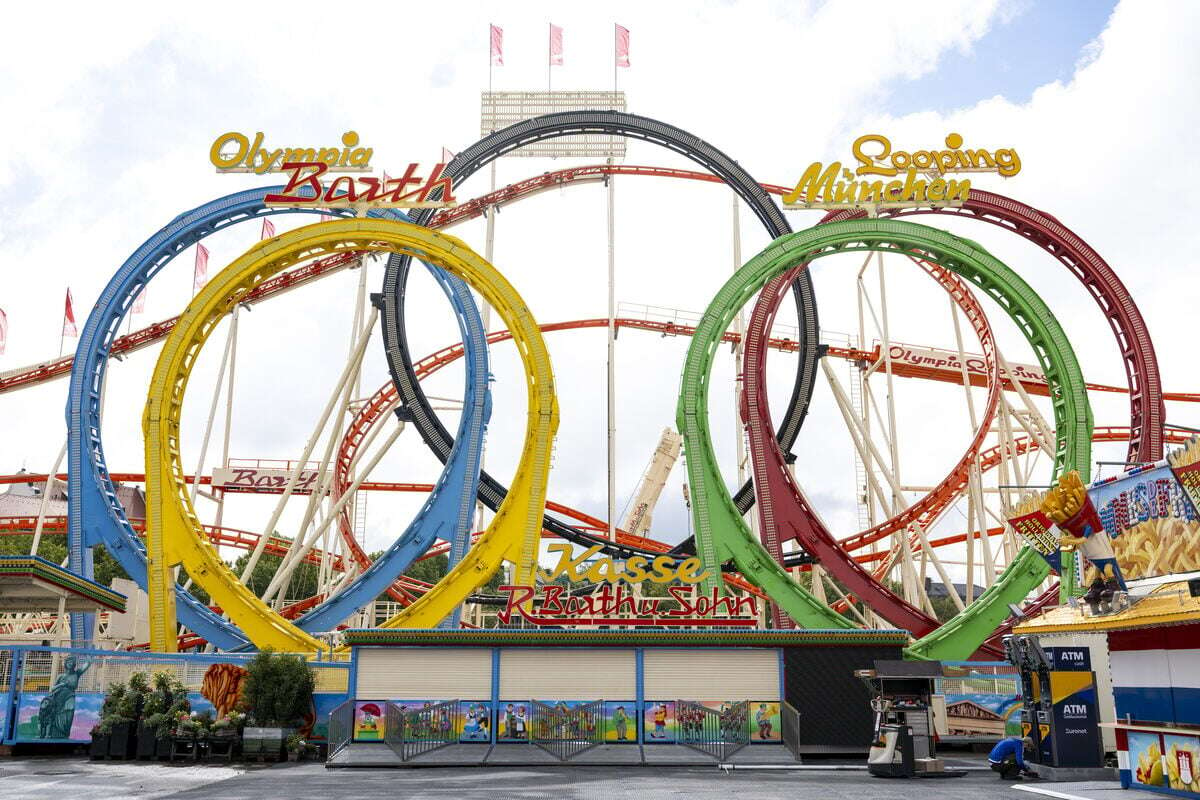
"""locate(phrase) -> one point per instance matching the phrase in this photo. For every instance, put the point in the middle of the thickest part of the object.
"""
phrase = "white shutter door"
(698, 674)
(567, 674)
(424, 673)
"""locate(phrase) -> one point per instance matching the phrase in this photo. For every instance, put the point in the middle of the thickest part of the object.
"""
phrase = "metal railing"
(718, 733)
(393, 729)
(422, 730)
(566, 731)
(340, 731)
(790, 724)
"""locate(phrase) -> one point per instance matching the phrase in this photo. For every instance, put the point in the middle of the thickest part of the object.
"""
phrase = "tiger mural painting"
(224, 686)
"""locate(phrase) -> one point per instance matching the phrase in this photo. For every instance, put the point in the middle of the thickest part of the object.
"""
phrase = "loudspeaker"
(1194, 587)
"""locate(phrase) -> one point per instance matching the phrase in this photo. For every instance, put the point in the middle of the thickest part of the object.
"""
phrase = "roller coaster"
(756, 540)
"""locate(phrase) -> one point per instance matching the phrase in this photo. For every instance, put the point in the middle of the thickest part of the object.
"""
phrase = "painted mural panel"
(513, 721)
(1183, 762)
(620, 721)
(369, 721)
(474, 721)
(1145, 758)
(765, 724)
(658, 722)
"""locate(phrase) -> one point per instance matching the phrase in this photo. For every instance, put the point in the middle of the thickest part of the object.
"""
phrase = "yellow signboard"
(235, 152)
(589, 567)
(917, 177)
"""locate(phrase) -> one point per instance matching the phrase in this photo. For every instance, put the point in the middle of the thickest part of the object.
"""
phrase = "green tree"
(302, 583)
(53, 548)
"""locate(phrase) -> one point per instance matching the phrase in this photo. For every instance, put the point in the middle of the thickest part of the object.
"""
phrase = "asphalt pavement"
(79, 779)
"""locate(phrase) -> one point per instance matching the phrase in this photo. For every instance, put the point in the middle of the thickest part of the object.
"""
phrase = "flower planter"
(223, 745)
(151, 746)
(99, 747)
(184, 748)
(122, 743)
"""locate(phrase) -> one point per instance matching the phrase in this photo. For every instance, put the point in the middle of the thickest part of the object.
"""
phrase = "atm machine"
(1060, 713)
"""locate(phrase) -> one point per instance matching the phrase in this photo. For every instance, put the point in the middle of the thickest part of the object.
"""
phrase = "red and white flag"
(200, 272)
(556, 55)
(497, 37)
(3, 331)
(447, 156)
(69, 328)
(139, 302)
(268, 231)
(622, 46)
(328, 218)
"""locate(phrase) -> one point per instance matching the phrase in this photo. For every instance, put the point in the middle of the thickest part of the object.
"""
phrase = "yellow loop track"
(174, 535)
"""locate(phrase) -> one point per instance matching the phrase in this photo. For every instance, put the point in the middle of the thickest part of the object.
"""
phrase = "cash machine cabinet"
(1060, 713)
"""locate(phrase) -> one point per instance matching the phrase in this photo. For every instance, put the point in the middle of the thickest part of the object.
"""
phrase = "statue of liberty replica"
(56, 712)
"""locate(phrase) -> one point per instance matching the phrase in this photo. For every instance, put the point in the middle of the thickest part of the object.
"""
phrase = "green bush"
(124, 703)
(278, 689)
(165, 703)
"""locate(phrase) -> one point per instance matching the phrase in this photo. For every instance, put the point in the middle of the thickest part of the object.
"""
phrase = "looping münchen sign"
(918, 177)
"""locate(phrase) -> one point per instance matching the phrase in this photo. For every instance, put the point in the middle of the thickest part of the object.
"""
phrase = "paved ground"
(78, 779)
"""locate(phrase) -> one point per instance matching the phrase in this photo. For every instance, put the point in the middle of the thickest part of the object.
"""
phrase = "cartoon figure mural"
(660, 715)
(368, 722)
(56, 712)
(763, 721)
(475, 722)
(520, 727)
(621, 723)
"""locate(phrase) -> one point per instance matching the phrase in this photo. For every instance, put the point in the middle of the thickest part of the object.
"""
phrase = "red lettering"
(350, 195)
(298, 180)
(550, 599)
(437, 182)
(409, 178)
(242, 477)
(517, 597)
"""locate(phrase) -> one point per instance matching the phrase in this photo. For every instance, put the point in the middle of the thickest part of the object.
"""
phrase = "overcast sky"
(111, 115)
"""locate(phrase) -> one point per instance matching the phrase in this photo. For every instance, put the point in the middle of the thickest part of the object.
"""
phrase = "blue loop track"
(95, 515)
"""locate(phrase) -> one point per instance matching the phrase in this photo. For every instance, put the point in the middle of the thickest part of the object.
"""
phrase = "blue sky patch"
(1039, 43)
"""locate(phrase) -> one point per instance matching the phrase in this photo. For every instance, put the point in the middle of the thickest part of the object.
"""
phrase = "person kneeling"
(1008, 757)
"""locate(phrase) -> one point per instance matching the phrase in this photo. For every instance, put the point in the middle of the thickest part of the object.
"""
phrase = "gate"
(790, 719)
(719, 734)
(411, 733)
(563, 731)
(341, 728)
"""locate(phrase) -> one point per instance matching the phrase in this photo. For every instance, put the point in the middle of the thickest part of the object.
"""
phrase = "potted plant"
(278, 695)
(120, 714)
(295, 747)
(102, 731)
(160, 715)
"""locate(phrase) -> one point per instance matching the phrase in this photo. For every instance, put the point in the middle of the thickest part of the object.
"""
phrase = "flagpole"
(612, 335)
(490, 59)
(62, 335)
(549, 53)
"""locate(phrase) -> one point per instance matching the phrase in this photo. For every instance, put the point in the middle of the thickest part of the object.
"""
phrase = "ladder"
(860, 469)
(360, 518)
